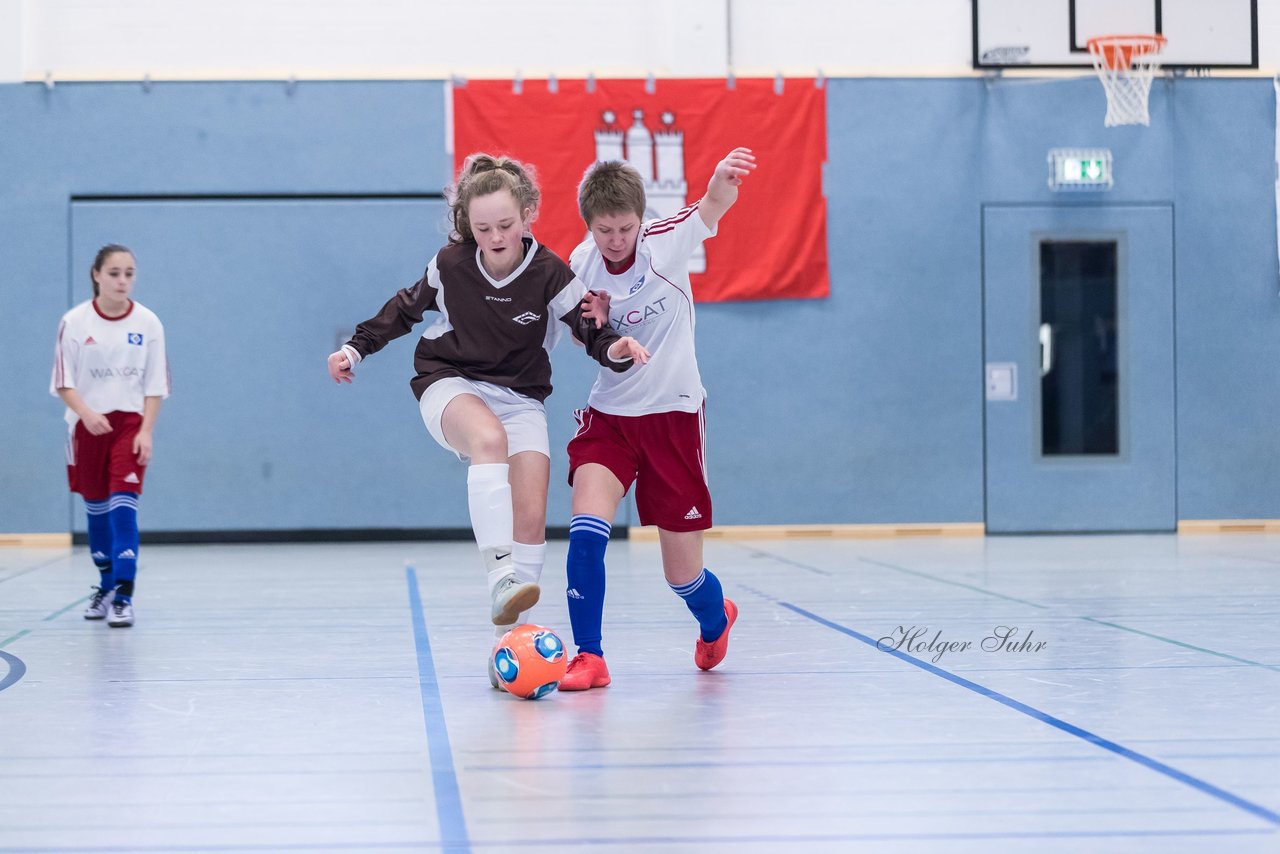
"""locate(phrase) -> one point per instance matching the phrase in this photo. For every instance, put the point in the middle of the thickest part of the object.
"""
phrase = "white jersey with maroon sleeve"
(113, 363)
(652, 301)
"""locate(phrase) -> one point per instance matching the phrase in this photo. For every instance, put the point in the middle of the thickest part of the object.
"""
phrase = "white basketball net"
(1126, 65)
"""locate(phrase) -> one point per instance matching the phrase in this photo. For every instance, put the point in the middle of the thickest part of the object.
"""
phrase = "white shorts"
(523, 417)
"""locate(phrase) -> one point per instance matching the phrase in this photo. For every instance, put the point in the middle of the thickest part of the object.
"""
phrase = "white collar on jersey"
(530, 247)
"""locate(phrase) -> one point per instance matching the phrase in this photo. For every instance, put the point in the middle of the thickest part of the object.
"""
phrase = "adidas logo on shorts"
(573, 593)
(127, 553)
(693, 514)
(131, 477)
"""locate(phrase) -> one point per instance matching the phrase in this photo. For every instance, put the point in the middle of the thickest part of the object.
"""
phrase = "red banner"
(771, 245)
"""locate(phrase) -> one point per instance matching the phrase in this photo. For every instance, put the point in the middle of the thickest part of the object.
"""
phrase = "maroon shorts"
(663, 454)
(98, 466)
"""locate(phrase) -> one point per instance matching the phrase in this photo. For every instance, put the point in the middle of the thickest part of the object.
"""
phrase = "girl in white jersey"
(110, 369)
(645, 426)
(483, 367)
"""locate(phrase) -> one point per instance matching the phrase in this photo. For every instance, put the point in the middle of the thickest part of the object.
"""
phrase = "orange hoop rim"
(1117, 52)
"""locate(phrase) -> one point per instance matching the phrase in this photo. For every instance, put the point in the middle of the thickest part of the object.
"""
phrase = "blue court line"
(416, 845)
(780, 763)
(1182, 644)
(31, 569)
(265, 679)
(269, 772)
(987, 592)
(975, 588)
(57, 613)
(788, 562)
(17, 669)
(13, 638)
(830, 763)
(632, 841)
(61, 611)
(1106, 744)
(453, 823)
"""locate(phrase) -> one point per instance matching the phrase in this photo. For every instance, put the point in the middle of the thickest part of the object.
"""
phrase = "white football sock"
(489, 501)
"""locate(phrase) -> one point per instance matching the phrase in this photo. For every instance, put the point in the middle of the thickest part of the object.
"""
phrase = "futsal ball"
(530, 661)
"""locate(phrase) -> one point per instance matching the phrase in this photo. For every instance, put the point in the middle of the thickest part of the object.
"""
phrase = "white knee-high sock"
(489, 500)
(528, 562)
(529, 559)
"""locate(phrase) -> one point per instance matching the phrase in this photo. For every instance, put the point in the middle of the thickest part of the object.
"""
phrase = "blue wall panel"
(891, 421)
(866, 407)
(1228, 301)
(232, 138)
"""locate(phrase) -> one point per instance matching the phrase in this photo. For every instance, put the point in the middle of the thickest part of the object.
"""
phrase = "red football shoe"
(586, 670)
(708, 655)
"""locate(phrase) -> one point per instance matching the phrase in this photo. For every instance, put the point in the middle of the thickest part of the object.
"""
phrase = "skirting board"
(1229, 526)
(35, 541)
(842, 532)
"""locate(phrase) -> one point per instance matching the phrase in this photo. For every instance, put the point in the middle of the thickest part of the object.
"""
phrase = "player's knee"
(489, 442)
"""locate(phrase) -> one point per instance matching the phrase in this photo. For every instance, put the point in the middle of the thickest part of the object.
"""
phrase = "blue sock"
(705, 599)
(588, 536)
(124, 538)
(100, 541)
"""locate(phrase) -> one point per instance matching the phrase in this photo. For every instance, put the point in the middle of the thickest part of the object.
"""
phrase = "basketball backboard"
(1202, 34)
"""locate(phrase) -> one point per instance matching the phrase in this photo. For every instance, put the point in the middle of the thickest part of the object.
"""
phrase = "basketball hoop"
(1125, 65)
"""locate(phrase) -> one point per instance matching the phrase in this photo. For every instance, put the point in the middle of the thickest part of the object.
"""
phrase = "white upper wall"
(11, 67)
(854, 37)
(276, 39)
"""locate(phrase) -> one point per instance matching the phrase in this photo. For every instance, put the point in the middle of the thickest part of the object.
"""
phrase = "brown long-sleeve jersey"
(499, 332)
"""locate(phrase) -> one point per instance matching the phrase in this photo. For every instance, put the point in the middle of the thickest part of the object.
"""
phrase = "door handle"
(1046, 348)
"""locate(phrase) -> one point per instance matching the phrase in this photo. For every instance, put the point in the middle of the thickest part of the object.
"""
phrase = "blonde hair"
(610, 187)
(483, 174)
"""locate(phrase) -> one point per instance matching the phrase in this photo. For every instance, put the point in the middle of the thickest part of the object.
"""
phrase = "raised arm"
(722, 191)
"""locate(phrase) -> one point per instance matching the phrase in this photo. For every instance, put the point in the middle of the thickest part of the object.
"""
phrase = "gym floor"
(1056, 694)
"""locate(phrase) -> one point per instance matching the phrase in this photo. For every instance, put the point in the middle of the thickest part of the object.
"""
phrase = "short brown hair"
(610, 187)
(482, 174)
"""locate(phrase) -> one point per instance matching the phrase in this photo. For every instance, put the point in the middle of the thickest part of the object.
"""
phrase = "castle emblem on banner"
(658, 156)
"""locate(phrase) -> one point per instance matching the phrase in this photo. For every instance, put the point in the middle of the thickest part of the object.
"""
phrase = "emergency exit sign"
(1080, 169)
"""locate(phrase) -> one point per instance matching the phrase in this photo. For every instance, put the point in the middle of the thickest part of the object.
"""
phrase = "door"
(1078, 305)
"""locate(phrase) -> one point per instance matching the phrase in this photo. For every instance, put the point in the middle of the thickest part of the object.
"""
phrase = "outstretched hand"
(340, 368)
(595, 305)
(628, 348)
(737, 165)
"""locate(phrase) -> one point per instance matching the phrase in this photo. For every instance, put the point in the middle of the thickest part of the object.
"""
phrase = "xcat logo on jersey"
(640, 316)
(135, 338)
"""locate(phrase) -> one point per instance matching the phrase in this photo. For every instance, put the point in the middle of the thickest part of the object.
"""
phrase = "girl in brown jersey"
(483, 367)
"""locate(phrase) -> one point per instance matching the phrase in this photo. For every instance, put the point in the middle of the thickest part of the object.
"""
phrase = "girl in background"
(110, 370)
